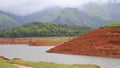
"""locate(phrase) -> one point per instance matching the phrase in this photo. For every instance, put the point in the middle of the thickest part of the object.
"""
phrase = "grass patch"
(52, 39)
(49, 65)
(3, 64)
(113, 25)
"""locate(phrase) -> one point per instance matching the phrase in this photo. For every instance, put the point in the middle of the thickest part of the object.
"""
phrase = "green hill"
(7, 22)
(92, 14)
(72, 16)
(38, 29)
(113, 25)
(108, 12)
(69, 16)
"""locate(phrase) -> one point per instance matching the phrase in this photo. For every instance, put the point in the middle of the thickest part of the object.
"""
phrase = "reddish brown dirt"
(29, 41)
(44, 42)
(100, 42)
(2, 57)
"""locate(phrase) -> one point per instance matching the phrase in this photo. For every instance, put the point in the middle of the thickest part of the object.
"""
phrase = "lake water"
(38, 53)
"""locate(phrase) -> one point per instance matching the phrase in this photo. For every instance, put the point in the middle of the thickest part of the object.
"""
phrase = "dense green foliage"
(38, 29)
(113, 25)
(3, 64)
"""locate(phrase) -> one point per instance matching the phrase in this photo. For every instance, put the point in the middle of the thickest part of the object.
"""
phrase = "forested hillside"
(7, 22)
(69, 16)
(38, 29)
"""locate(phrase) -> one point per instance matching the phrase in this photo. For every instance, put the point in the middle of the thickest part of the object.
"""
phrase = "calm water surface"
(32, 53)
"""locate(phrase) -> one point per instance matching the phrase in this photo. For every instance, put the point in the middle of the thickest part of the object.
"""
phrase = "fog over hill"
(7, 22)
(92, 13)
(24, 7)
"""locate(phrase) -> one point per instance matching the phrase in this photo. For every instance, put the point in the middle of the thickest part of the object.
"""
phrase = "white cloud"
(28, 6)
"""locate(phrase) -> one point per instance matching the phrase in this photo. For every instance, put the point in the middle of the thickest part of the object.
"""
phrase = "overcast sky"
(23, 7)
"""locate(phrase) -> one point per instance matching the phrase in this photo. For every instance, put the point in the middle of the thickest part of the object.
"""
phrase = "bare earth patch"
(36, 41)
(100, 42)
(22, 66)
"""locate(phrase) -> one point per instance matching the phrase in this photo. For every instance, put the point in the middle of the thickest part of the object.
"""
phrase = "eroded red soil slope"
(30, 41)
(100, 42)
(47, 41)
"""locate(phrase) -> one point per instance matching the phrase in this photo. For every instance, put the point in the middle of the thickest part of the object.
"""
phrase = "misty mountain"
(38, 16)
(93, 15)
(73, 16)
(7, 22)
(109, 12)
(19, 19)
(69, 16)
